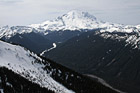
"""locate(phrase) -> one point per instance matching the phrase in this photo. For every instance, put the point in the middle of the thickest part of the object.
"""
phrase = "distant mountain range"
(73, 20)
(67, 26)
(85, 44)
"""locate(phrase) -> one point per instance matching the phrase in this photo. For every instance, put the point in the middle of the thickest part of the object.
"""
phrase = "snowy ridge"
(131, 37)
(26, 64)
(119, 28)
(8, 32)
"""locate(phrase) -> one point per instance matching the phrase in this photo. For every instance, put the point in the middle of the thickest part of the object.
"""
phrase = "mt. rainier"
(60, 30)
(73, 20)
(77, 20)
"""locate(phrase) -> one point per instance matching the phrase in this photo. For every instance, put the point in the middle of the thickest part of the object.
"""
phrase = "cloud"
(24, 12)
(6, 2)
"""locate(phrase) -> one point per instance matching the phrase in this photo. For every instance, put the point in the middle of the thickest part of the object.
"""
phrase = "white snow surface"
(8, 32)
(1, 91)
(21, 61)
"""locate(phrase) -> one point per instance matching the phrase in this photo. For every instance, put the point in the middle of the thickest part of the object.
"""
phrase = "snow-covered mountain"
(62, 28)
(73, 20)
(8, 32)
(77, 20)
(26, 64)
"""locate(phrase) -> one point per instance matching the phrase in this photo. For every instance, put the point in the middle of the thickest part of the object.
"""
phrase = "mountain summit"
(73, 20)
(79, 14)
(78, 20)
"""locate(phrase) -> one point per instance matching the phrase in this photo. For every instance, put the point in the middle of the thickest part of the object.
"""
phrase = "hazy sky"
(24, 12)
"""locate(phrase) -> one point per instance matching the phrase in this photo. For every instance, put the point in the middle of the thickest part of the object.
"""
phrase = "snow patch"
(54, 46)
(1, 91)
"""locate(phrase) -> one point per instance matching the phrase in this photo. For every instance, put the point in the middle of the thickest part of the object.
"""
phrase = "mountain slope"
(19, 62)
(11, 82)
(62, 36)
(33, 41)
(111, 56)
(26, 37)
(27, 65)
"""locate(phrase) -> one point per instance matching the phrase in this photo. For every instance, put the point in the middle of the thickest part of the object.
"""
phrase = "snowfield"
(27, 64)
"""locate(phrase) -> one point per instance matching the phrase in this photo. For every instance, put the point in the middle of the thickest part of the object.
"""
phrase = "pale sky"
(25, 12)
